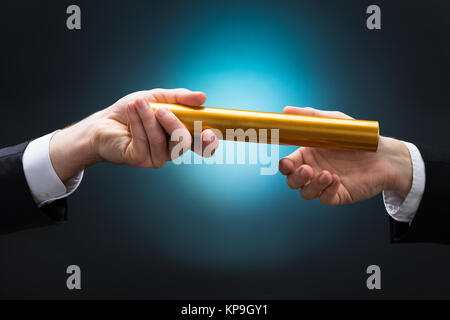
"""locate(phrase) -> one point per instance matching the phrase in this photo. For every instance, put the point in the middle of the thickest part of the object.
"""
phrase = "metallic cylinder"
(293, 129)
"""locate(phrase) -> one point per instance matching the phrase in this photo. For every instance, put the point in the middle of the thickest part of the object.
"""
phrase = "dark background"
(222, 231)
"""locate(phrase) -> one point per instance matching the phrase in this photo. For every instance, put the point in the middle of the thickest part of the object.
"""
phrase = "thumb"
(308, 111)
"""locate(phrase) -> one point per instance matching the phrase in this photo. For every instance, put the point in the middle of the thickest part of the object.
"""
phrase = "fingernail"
(142, 105)
(303, 173)
(163, 111)
(322, 178)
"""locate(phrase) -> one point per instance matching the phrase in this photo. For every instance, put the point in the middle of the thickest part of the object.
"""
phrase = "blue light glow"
(229, 216)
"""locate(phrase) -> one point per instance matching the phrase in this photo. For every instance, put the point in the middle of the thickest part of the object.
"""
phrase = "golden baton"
(293, 129)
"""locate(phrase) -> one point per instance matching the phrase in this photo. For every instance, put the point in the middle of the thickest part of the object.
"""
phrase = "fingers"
(178, 133)
(150, 130)
(139, 142)
(323, 185)
(315, 112)
(330, 195)
(289, 164)
(163, 121)
(171, 124)
(154, 134)
(179, 96)
(300, 177)
(316, 186)
(210, 143)
(168, 120)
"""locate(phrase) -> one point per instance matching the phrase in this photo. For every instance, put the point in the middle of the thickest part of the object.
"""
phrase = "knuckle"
(158, 94)
(338, 114)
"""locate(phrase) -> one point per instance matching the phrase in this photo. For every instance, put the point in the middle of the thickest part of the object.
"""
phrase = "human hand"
(340, 177)
(104, 136)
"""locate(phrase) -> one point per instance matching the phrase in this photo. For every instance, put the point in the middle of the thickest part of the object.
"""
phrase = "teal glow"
(229, 217)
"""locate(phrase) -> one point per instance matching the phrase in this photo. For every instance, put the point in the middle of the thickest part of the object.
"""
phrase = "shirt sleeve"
(41, 177)
(404, 209)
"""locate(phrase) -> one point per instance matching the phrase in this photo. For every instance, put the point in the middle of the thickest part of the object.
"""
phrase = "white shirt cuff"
(404, 209)
(41, 177)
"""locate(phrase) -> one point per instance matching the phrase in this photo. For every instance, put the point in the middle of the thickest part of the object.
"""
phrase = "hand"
(104, 136)
(340, 177)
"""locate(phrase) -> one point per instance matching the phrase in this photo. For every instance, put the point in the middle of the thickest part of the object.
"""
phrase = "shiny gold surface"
(293, 129)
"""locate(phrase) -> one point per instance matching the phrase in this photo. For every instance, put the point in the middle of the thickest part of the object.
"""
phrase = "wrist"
(399, 166)
(71, 150)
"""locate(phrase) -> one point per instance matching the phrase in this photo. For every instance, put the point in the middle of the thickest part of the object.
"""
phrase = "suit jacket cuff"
(19, 211)
(431, 223)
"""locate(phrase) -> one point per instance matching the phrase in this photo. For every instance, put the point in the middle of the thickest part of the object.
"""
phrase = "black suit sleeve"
(18, 210)
(432, 220)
